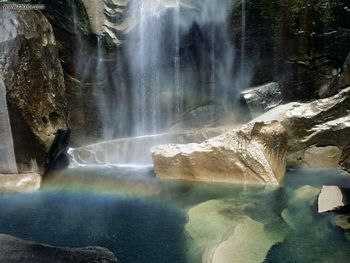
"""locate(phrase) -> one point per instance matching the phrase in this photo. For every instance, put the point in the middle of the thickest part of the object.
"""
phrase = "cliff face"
(303, 45)
(49, 70)
(34, 82)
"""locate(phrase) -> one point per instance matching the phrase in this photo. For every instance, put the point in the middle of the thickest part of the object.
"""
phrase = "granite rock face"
(320, 123)
(253, 154)
(33, 78)
(15, 250)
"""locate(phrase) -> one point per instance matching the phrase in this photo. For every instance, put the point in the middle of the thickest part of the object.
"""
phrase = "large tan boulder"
(316, 128)
(255, 154)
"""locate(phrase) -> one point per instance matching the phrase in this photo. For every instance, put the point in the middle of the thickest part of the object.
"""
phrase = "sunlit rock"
(117, 18)
(263, 98)
(331, 199)
(324, 122)
(15, 250)
(28, 182)
(253, 154)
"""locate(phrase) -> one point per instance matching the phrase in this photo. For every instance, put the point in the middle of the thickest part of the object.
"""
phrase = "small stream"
(143, 219)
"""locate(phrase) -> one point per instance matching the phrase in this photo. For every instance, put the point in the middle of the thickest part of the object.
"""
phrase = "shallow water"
(142, 219)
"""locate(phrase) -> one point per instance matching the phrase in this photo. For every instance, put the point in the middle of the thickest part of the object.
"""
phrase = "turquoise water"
(142, 219)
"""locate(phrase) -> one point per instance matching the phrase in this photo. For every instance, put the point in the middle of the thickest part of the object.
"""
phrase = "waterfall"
(243, 40)
(162, 81)
(177, 56)
(7, 154)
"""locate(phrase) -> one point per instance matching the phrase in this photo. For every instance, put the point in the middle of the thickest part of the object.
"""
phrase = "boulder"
(298, 212)
(253, 154)
(33, 77)
(332, 198)
(10, 183)
(249, 243)
(315, 157)
(15, 250)
(263, 98)
(345, 158)
(320, 123)
(221, 231)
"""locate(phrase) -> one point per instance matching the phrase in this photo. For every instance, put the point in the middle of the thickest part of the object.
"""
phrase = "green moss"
(84, 23)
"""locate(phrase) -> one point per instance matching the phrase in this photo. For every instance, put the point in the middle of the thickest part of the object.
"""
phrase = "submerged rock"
(263, 98)
(299, 210)
(253, 154)
(331, 199)
(248, 243)
(19, 183)
(320, 123)
(221, 231)
(15, 250)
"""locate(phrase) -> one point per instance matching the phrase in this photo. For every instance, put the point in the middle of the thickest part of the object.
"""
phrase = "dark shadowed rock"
(57, 157)
(14, 250)
(345, 158)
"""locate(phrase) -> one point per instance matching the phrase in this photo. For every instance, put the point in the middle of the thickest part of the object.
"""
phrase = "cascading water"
(178, 56)
(165, 72)
(7, 155)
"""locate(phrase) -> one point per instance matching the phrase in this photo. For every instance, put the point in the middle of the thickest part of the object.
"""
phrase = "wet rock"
(320, 123)
(10, 183)
(33, 78)
(345, 159)
(253, 154)
(15, 250)
(342, 221)
(331, 199)
(263, 98)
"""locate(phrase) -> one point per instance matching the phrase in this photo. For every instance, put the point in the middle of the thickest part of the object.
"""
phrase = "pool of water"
(142, 219)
